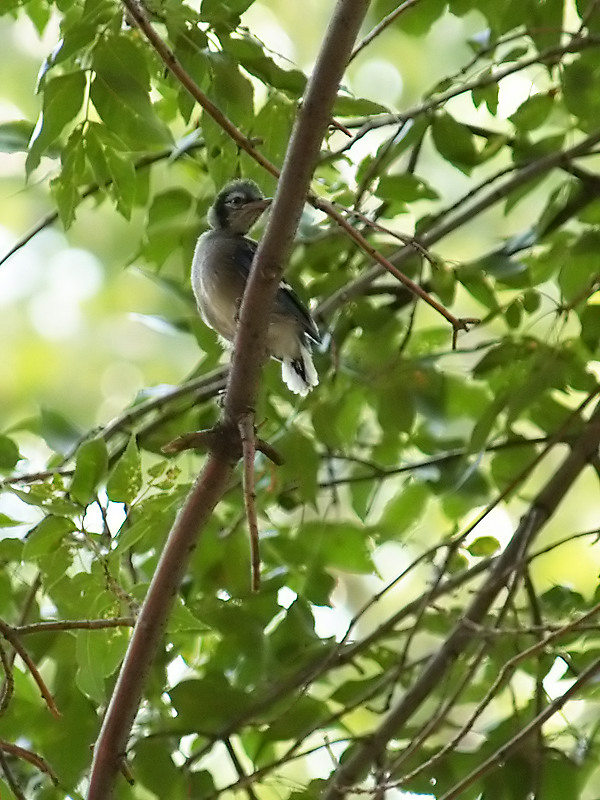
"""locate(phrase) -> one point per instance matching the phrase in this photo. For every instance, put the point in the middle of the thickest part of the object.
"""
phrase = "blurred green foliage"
(457, 122)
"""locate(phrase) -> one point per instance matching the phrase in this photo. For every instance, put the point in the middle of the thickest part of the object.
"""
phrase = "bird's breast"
(216, 286)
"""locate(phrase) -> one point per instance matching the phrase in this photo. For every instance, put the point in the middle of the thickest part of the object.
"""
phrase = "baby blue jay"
(220, 269)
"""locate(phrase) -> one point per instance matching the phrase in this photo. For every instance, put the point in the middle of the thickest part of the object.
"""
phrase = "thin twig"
(15, 642)
(73, 625)
(140, 18)
(551, 54)
(243, 777)
(457, 323)
(32, 758)
(381, 26)
(540, 511)
(501, 754)
(446, 225)
(8, 684)
(10, 778)
(52, 216)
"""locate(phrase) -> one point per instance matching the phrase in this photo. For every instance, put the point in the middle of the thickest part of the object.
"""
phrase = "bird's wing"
(286, 300)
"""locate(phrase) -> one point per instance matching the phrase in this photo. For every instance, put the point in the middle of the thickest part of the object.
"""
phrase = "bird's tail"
(299, 374)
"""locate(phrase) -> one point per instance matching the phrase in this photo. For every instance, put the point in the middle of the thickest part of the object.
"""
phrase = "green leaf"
(406, 188)
(206, 705)
(484, 546)
(272, 126)
(222, 150)
(168, 225)
(485, 423)
(62, 100)
(39, 13)
(419, 20)
(507, 463)
(301, 462)
(125, 479)
(533, 112)
(580, 83)
(65, 188)
(15, 136)
(486, 94)
(46, 537)
(121, 94)
(90, 467)
(99, 653)
(396, 405)
(580, 270)
(338, 420)
(403, 511)
(362, 494)
(342, 545)
(513, 313)
(58, 432)
(9, 454)
(124, 185)
(224, 13)
(251, 55)
(95, 145)
(303, 716)
(454, 142)
(230, 89)
(154, 768)
(563, 599)
(478, 285)
(590, 327)
(347, 106)
(8, 522)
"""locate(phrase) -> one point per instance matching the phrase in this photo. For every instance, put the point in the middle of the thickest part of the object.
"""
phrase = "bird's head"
(237, 207)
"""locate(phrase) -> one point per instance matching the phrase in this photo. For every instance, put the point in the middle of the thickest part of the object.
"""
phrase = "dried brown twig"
(11, 637)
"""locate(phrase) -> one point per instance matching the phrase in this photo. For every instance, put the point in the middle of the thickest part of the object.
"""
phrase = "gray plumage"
(220, 269)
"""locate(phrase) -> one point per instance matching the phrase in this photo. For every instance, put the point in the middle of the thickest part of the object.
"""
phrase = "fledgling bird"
(220, 269)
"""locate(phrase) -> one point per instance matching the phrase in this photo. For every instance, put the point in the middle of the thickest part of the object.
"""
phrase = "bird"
(220, 270)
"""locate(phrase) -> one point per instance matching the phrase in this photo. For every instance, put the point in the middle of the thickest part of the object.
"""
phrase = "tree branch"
(553, 54)
(500, 755)
(139, 16)
(29, 756)
(15, 642)
(447, 225)
(542, 508)
(248, 356)
(382, 25)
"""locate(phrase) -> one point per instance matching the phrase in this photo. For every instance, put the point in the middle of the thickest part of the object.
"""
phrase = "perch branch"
(300, 161)
(246, 427)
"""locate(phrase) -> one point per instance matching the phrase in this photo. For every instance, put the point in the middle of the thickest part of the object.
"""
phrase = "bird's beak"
(261, 205)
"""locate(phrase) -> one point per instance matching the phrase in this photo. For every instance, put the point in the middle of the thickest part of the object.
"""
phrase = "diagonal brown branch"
(15, 642)
(139, 16)
(448, 224)
(249, 350)
(388, 20)
(542, 508)
(550, 55)
(500, 755)
(29, 756)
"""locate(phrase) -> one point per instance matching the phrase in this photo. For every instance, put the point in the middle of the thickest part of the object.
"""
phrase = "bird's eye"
(236, 200)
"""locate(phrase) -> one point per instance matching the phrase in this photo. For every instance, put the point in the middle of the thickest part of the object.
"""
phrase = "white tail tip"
(299, 374)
